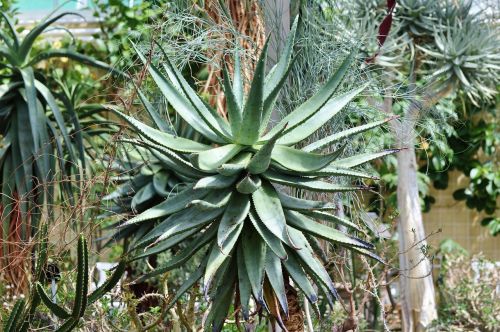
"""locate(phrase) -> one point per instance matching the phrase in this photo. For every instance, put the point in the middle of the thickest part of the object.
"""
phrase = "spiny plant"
(22, 314)
(466, 54)
(234, 209)
(143, 179)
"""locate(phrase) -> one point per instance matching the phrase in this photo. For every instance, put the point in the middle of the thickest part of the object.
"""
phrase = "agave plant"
(417, 17)
(467, 53)
(234, 208)
(143, 182)
(35, 132)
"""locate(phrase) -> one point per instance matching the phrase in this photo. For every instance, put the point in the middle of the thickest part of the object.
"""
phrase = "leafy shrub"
(469, 289)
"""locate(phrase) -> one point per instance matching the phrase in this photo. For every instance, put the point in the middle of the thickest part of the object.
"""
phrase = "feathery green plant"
(254, 234)
(20, 318)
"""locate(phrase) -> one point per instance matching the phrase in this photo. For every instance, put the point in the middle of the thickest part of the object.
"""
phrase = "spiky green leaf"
(252, 112)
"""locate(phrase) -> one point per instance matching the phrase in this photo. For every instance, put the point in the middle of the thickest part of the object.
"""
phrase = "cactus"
(21, 315)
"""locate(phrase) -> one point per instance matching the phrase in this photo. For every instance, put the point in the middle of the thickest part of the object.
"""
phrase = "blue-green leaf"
(322, 116)
(252, 112)
(313, 104)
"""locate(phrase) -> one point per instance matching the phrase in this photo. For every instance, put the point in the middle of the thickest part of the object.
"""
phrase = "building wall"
(459, 223)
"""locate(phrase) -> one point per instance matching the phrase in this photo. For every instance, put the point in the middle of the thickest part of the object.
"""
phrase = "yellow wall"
(459, 223)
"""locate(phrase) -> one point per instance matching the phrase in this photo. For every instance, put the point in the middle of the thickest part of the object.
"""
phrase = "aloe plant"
(144, 180)
(40, 136)
(21, 315)
(252, 234)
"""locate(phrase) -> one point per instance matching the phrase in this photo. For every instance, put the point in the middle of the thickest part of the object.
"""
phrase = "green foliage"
(471, 148)
(467, 53)
(468, 292)
(482, 193)
(119, 23)
(37, 123)
(229, 206)
(437, 45)
(21, 315)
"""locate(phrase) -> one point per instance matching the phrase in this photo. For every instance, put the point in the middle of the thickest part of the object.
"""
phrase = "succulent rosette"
(252, 235)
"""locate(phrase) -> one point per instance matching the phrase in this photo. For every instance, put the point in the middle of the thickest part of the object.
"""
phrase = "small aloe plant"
(252, 236)
(19, 319)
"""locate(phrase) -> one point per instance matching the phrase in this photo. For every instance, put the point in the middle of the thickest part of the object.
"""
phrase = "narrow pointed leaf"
(171, 205)
(298, 275)
(160, 180)
(12, 28)
(268, 207)
(271, 304)
(215, 182)
(31, 97)
(343, 135)
(167, 140)
(301, 161)
(322, 116)
(299, 204)
(220, 308)
(181, 222)
(180, 103)
(280, 69)
(233, 108)
(211, 117)
(368, 253)
(51, 102)
(310, 262)
(236, 212)
(183, 256)
(238, 82)
(29, 39)
(165, 244)
(338, 171)
(271, 240)
(207, 205)
(275, 277)
(361, 159)
(254, 253)
(249, 184)
(331, 217)
(157, 119)
(308, 183)
(299, 221)
(143, 195)
(252, 112)
(110, 282)
(235, 165)
(188, 284)
(210, 160)
(218, 255)
(245, 288)
(261, 160)
(82, 58)
(168, 157)
(313, 104)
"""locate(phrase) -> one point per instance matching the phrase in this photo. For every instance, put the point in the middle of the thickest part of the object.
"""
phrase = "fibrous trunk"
(14, 247)
(246, 20)
(295, 321)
